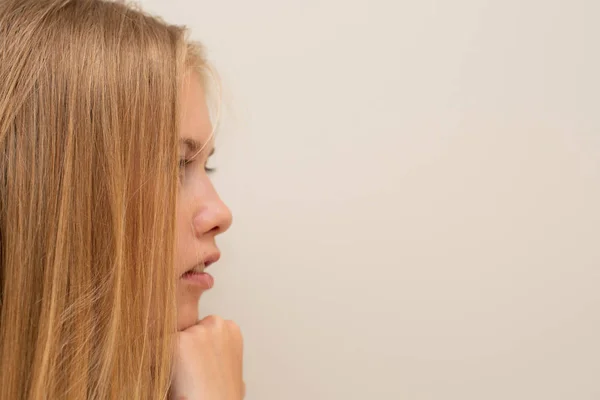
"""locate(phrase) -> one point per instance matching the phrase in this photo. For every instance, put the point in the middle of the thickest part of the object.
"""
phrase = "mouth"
(203, 264)
(196, 275)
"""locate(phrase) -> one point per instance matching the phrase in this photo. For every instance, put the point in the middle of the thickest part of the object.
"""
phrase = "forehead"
(195, 122)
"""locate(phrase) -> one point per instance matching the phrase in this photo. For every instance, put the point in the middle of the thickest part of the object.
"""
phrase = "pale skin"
(208, 362)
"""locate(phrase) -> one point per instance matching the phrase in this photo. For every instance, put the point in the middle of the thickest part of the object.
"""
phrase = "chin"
(187, 311)
(186, 321)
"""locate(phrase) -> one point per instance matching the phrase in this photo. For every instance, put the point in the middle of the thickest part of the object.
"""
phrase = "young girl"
(108, 218)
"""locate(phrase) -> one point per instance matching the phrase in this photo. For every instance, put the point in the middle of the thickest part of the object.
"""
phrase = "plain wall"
(416, 192)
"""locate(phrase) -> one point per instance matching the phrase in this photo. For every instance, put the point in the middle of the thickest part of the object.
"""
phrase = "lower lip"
(200, 279)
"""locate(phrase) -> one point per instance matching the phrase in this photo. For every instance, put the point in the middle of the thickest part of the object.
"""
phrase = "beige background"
(416, 190)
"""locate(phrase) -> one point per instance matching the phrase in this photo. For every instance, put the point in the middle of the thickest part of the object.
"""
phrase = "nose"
(213, 217)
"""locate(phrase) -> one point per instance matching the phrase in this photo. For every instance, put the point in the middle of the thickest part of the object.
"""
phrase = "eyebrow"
(194, 146)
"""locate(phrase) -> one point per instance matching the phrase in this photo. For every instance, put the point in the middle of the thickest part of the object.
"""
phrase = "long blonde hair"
(89, 115)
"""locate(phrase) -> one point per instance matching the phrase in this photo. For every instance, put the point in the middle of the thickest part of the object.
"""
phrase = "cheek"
(182, 233)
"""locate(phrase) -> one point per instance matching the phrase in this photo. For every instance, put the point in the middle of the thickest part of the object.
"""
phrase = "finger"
(236, 335)
(211, 320)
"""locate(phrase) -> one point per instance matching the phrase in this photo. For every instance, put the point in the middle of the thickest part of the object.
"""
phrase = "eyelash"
(184, 163)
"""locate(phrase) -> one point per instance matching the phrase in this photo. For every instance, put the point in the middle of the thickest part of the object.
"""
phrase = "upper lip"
(206, 261)
(211, 259)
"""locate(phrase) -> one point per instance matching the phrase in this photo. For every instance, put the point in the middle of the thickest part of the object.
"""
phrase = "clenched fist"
(208, 363)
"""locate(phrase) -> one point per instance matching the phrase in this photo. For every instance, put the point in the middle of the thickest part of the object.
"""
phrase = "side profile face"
(201, 215)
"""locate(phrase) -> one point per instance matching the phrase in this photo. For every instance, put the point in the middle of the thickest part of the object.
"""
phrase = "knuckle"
(235, 331)
(233, 327)
(211, 320)
(231, 324)
(214, 325)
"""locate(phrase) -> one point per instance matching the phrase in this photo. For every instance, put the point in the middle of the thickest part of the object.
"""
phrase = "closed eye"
(183, 163)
